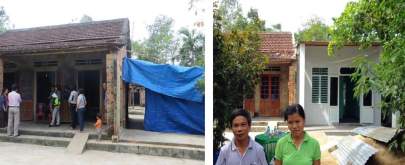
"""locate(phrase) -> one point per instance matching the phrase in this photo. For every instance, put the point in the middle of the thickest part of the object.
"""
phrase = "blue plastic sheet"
(173, 103)
(168, 114)
(170, 80)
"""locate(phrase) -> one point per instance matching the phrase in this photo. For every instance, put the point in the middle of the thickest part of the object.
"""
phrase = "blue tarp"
(173, 103)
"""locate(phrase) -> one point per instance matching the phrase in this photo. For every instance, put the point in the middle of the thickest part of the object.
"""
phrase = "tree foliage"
(85, 18)
(191, 51)
(3, 20)
(313, 30)
(382, 21)
(237, 63)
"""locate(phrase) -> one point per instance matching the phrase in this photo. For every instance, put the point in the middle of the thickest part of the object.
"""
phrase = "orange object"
(98, 123)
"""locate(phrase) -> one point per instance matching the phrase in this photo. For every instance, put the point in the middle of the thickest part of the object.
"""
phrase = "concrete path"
(140, 136)
(27, 154)
(78, 143)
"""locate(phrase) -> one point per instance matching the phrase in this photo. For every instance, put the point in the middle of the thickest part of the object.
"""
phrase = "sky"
(291, 14)
(35, 13)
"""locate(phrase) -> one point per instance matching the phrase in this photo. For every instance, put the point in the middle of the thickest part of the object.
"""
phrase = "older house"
(82, 55)
(277, 86)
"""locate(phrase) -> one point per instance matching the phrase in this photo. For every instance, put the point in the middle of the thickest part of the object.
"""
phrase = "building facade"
(277, 87)
(79, 55)
(326, 90)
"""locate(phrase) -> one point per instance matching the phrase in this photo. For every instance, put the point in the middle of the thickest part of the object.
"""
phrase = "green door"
(349, 109)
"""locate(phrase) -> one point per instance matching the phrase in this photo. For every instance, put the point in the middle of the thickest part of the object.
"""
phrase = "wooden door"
(270, 95)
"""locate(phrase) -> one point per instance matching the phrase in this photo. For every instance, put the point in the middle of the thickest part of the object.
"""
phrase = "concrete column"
(292, 71)
(110, 91)
(119, 116)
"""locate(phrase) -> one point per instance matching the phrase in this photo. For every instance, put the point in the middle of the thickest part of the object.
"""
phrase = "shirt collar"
(233, 145)
(289, 138)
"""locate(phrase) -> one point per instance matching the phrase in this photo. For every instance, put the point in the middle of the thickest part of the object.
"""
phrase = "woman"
(3, 108)
(81, 108)
(297, 147)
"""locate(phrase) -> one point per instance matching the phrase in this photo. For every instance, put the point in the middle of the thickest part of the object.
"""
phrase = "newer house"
(325, 88)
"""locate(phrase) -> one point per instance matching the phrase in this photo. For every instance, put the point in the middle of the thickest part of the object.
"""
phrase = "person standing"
(14, 101)
(297, 147)
(3, 108)
(81, 108)
(242, 149)
(55, 110)
(72, 103)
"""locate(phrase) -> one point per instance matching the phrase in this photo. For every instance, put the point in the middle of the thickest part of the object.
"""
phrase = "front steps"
(62, 139)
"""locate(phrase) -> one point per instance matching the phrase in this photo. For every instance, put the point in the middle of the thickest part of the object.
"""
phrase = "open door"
(89, 81)
(349, 109)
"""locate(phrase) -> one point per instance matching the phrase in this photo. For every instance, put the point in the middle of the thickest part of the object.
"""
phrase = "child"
(98, 125)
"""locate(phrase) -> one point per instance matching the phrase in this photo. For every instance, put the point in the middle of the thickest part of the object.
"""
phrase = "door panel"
(270, 95)
(366, 110)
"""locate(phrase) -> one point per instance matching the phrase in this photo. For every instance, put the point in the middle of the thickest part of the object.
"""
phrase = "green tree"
(191, 52)
(85, 18)
(160, 46)
(237, 63)
(313, 30)
(3, 20)
(368, 21)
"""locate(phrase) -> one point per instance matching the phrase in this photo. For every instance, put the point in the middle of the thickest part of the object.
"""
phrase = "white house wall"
(316, 57)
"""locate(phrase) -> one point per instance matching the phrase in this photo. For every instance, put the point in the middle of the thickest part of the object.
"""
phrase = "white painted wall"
(316, 57)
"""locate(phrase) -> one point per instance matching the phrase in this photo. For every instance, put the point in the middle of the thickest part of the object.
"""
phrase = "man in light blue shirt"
(242, 150)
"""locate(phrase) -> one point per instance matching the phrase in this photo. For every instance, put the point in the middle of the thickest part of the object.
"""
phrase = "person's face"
(240, 128)
(295, 124)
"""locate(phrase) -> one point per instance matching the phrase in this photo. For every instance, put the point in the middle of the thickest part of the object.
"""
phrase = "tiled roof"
(278, 45)
(69, 36)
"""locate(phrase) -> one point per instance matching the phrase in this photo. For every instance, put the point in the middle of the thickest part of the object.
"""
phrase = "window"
(319, 85)
(264, 87)
(347, 70)
(45, 63)
(89, 62)
(273, 69)
(333, 91)
(367, 99)
(275, 86)
(9, 65)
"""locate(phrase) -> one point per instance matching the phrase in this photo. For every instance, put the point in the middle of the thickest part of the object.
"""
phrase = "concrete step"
(108, 145)
(53, 133)
(38, 140)
(258, 128)
(78, 143)
(259, 123)
(148, 149)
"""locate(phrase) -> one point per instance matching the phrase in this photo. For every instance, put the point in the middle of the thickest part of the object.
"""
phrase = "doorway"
(89, 81)
(45, 81)
(270, 95)
(349, 108)
(9, 79)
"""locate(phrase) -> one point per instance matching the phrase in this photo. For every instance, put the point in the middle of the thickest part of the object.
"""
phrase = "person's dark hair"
(295, 108)
(99, 115)
(81, 91)
(240, 112)
(4, 90)
(14, 87)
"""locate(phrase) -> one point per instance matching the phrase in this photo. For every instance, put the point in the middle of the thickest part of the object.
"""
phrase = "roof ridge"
(47, 27)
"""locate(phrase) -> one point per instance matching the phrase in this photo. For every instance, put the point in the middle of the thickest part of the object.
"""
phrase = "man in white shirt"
(81, 108)
(14, 101)
(72, 103)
